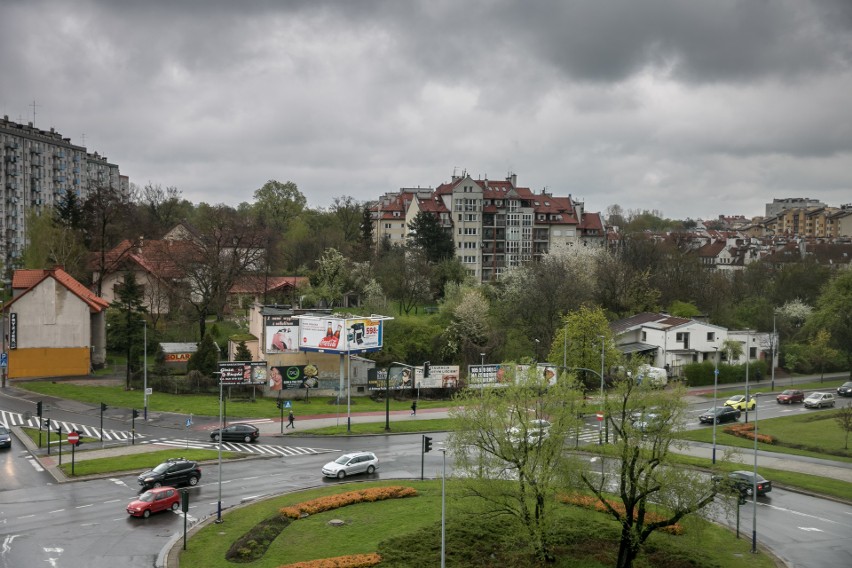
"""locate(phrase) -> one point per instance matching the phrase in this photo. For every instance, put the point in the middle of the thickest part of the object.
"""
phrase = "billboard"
(281, 334)
(409, 377)
(337, 335)
(293, 377)
(480, 376)
(243, 373)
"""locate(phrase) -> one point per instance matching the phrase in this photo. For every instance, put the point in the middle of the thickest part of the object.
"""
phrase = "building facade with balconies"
(37, 169)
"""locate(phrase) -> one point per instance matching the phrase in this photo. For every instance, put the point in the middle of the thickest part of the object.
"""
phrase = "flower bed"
(747, 431)
(343, 499)
(590, 502)
(351, 561)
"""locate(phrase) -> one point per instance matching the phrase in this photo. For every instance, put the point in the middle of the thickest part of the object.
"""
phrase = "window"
(644, 336)
(469, 231)
(711, 336)
(470, 217)
(469, 259)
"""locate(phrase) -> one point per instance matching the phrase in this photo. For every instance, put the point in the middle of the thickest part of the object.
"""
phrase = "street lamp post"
(145, 368)
(774, 351)
(715, 387)
(754, 489)
(748, 356)
(219, 504)
(443, 509)
(600, 422)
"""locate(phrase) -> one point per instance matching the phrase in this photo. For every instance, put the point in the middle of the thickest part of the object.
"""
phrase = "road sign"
(600, 416)
(73, 438)
(149, 391)
(4, 360)
(287, 404)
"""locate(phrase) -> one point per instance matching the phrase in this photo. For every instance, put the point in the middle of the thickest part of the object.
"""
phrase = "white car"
(819, 399)
(536, 430)
(349, 464)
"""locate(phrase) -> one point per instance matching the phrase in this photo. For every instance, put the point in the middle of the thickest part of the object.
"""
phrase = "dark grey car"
(5, 437)
(721, 414)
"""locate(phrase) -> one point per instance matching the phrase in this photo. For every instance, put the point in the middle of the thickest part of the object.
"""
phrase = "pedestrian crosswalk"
(9, 419)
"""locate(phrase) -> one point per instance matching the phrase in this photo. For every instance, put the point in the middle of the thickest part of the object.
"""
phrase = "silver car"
(349, 464)
(819, 399)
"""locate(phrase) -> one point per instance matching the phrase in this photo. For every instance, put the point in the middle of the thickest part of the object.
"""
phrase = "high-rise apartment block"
(37, 169)
(495, 225)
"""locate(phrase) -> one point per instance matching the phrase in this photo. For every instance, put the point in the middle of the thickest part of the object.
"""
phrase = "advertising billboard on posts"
(339, 335)
(482, 376)
(293, 377)
(281, 334)
(243, 372)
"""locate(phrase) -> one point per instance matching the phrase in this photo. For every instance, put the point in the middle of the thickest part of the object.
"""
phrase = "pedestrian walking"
(291, 421)
(414, 408)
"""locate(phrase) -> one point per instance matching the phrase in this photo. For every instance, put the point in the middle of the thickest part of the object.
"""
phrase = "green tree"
(834, 314)
(242, 352)
(365, 236)
(426, 233)
(501, 461)
(733, 350)
(468, 332)
(104, 212)
(579, 342)
(684, 309)
(129, 302)
(205, 360)
(279, 203)
(647, 422)
(623, 290)
(406, 276)
(843, 416)
(820, 351)
(329, 279)
(69, 211)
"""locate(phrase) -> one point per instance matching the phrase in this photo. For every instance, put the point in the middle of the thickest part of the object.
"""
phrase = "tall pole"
(145, 367)
(754, 490)
(443, 509)
(748, 356)
(3, 339)
(715, 387)
(219, 504)
(774, 349)
(600, 422)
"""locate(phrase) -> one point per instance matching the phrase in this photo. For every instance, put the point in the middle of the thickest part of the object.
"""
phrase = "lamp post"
(748, 356)
(754, 490)
(219, 504)
(774, 351)
(443, 508)
(145, 368)
(600, 422)
(715, 387)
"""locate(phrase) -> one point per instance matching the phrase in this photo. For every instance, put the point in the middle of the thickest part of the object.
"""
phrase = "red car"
(155, 500)
(790, 396)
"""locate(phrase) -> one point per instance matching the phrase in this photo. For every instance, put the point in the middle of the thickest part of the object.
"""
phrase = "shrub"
(343, 499)
(590, 502)
(351, 561)
(747, 431)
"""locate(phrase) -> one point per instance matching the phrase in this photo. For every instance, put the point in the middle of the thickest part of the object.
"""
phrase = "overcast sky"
(694, 108)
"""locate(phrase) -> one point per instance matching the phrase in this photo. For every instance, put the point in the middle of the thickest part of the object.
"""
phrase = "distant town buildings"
(37, 168)
(495, 224)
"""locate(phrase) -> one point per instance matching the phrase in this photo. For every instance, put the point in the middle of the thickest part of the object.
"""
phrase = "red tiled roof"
(254, 284)
(29, 279)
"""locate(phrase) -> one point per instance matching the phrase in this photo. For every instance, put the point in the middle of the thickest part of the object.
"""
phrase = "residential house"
(54, 326)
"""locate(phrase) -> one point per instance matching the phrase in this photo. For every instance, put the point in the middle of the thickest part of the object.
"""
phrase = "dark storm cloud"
(628, 101)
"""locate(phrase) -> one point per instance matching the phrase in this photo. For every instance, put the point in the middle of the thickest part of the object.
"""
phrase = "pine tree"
(206, 358)
(129, 302)
(242, 352)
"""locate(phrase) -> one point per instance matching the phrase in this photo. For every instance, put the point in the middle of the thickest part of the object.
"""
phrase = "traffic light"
(279, 403)
(38, 409)
(103, 406)
(426, 366)
(427, 444)
(135, 413)
(80, 439)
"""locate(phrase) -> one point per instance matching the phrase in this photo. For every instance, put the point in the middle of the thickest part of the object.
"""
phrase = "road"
(84, 524)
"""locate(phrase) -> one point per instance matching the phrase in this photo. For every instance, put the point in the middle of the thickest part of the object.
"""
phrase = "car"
(743, 481)
(172, 472)
(739, 402)
(154, 501)
(790, 396)
(350, 464)
(719, 414)
(819, 399)
(5, 437)
(845, 389)
(237, 433)
(536, 430)
(646, 421)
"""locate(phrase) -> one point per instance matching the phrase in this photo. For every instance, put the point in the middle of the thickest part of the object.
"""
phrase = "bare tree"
(102, 215)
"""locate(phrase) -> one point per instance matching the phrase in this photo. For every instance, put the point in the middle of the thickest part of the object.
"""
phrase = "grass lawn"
(764, 386)
(406, 532)
(414, 426)
(814, 434)
(208, 405)
(138, 462)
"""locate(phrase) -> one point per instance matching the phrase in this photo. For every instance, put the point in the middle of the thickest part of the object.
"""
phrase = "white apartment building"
(496, 225)
(37, 168)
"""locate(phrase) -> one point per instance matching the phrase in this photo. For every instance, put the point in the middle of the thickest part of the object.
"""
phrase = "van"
(656, 376)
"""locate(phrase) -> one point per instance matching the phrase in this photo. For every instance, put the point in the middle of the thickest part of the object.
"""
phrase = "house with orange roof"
(54, 326)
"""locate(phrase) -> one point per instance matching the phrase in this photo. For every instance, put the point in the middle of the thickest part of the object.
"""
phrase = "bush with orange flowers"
(343, 499)
(591, 502)
(350, 561)
(747, 431)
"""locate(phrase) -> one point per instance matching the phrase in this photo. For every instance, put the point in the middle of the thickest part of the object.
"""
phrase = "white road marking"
(56, 511)
(810, 529)
(786, 510)
(84, 506)
(27, 517)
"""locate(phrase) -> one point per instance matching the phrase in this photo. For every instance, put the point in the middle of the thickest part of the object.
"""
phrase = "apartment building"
(37, 168)
(496, 225)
